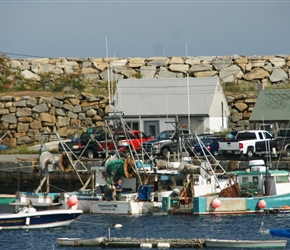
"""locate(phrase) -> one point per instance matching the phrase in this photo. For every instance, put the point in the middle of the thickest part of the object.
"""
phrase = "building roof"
(272, 105)
(149, 97)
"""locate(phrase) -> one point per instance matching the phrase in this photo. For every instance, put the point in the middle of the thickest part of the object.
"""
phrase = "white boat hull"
(121, 207)
(79, 241)
(245, 243)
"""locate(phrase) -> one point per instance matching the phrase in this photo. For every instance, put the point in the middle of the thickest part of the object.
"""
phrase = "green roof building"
(272, 110)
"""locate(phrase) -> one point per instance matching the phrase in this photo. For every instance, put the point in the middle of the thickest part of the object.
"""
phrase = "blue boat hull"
(41, 219)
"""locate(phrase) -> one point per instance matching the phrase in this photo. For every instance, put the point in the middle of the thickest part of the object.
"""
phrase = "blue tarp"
(280, 232)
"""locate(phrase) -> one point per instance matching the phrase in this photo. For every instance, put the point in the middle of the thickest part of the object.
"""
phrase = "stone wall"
(24, 118)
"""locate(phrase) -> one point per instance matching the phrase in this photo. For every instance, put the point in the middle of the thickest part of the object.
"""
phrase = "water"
(146, 226)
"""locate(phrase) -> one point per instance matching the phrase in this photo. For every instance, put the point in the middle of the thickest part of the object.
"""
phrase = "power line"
(23, 55)
(144, 1)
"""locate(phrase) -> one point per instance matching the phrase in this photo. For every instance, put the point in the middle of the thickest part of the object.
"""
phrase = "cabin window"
(255, 181)
(282, 179)
(245, 180)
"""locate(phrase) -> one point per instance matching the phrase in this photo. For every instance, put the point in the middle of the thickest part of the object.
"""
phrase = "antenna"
(108, 70)
(188, 100)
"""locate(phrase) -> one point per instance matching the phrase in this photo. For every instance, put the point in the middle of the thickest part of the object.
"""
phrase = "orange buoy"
(216, 203)
(72, 200)
(262, 204)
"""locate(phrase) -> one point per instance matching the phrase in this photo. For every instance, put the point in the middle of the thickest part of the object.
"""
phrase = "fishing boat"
(158, 187)
(273, 244)
(254, 190)
(28, 218)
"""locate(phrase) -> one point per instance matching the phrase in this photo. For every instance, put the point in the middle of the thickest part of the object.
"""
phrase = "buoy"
(163, 245)
(72, 200)
(262, 204)
(145, 245)
(216, 203)
(118, 226)
(27, 221)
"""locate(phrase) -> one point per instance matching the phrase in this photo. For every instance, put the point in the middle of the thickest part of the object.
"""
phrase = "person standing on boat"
(118, 189)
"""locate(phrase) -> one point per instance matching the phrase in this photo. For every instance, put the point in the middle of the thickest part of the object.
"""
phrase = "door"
(151, 128)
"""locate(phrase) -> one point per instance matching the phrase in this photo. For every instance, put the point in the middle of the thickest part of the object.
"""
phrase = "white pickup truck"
(250, 142)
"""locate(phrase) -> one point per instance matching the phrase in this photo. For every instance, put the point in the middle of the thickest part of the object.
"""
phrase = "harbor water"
(147, 226)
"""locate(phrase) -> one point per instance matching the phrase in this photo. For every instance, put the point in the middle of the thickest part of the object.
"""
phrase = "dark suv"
(164, 142)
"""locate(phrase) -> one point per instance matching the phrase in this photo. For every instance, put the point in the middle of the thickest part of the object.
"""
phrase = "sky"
(148, 28)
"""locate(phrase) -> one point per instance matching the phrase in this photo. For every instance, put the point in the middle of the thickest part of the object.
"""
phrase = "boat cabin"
(259, 180)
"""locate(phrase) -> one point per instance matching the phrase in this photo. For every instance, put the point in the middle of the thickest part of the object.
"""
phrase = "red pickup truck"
(134, 140)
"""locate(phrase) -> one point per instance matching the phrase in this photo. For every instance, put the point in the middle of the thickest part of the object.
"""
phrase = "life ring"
(65, 162)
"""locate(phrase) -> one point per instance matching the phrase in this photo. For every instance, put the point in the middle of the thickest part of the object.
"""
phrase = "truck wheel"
(250, 152)
(90, 154)
(288, 153)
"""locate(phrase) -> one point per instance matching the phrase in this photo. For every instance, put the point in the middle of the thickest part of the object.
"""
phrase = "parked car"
(209, 144)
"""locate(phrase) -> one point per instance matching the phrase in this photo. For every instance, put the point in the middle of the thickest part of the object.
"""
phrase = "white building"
(153, 105)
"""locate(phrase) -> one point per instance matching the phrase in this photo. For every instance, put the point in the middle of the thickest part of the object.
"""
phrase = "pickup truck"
(93, 144)
(133, 140)
(250, 142)
(164, 142)
(209, 144)
(283, 136)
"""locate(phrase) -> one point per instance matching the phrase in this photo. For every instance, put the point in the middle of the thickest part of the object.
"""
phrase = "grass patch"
(23, 149)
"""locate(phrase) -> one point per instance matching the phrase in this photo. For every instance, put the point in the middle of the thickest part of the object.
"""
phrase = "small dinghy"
(80, 241)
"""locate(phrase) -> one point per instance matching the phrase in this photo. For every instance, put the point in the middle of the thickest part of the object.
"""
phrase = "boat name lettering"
(10, 221)
(108, 205)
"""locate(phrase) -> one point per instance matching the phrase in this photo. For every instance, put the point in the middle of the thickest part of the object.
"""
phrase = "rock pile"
(266, 69)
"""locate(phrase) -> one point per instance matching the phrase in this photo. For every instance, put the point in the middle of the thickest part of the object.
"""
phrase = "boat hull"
(80, 242)
(245, 243)
(39, 219)
(239, 205)
(121, 207)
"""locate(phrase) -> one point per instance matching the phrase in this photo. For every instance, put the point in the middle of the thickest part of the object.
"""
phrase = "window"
(133, 125)
(282, 179)
(245, 180)
(255, 180)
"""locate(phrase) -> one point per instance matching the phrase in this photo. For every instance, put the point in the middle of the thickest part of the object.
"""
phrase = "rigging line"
(144, 1)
